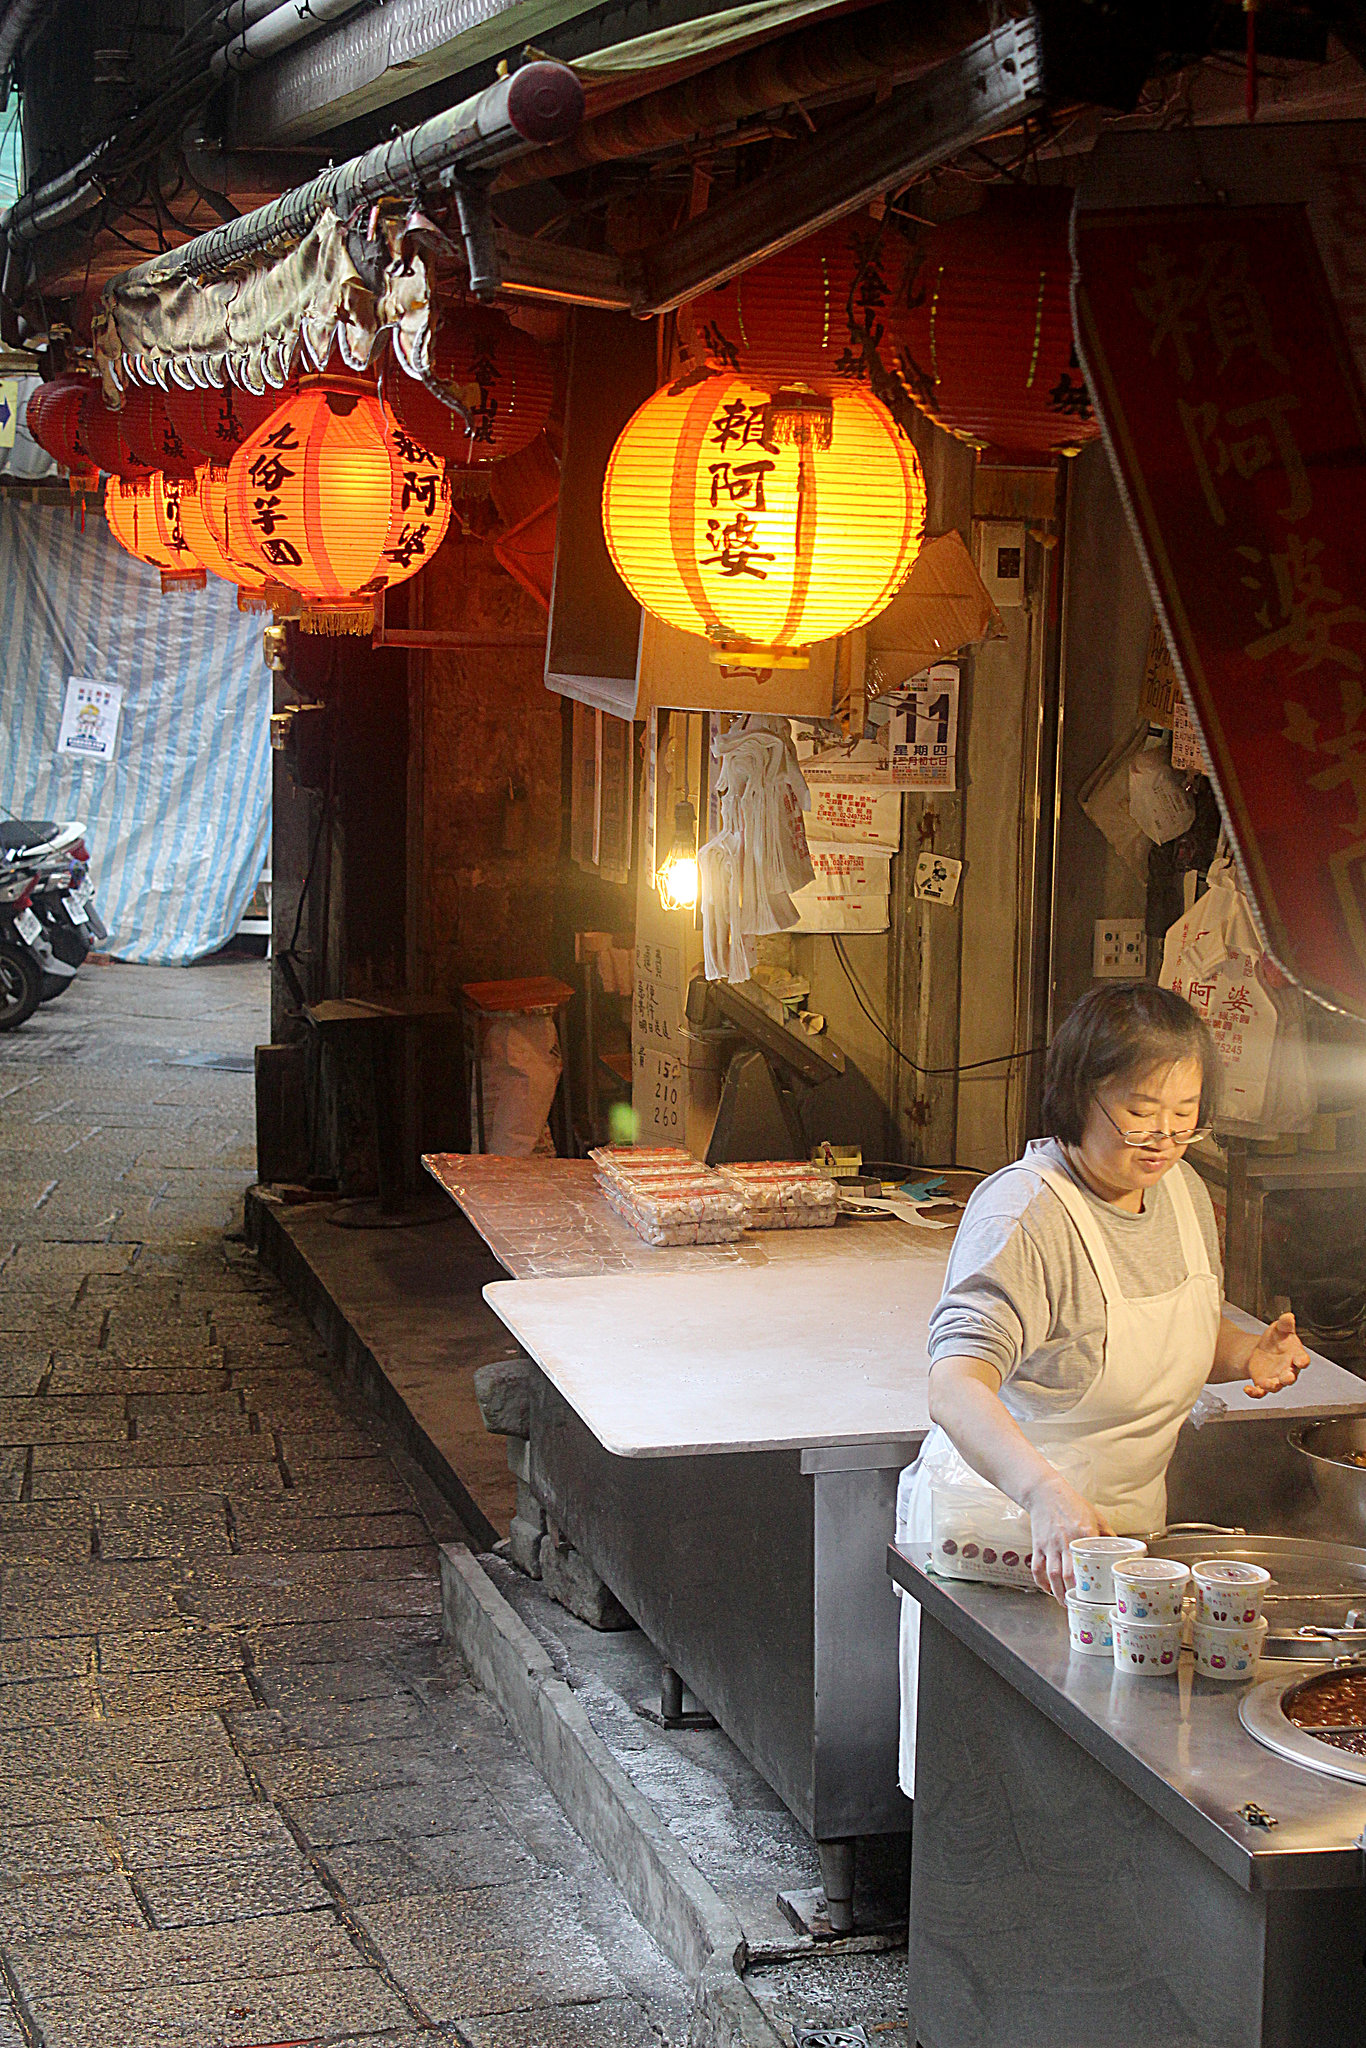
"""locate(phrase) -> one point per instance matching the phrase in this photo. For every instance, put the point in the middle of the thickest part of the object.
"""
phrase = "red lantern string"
(101, 439)
(804, 315)
(986, 343)
(53, 417)
(504, 379)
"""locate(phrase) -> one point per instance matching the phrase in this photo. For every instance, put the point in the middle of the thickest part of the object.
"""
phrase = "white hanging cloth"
(758, 858)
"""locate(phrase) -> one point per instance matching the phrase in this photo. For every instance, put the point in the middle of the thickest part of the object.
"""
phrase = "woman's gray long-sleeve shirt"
(1021, 1293)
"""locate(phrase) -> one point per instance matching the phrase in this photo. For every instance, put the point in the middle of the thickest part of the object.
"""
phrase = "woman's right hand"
(1058, 1514)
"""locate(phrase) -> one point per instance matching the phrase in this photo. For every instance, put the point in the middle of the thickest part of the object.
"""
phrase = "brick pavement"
(246, 1796)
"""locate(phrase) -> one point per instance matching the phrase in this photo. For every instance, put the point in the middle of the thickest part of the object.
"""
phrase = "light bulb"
(677, 879)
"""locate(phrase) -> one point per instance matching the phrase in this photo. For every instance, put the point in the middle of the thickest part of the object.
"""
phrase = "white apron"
(1158, 1355)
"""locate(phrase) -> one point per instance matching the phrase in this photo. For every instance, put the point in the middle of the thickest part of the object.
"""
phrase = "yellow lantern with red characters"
(147, 519)
(204, 522)
(763, 520)
(329, 499)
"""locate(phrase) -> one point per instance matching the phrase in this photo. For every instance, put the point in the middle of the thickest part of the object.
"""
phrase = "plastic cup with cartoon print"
(1229, 1593)
(1092, 1560)
(1150, 1588)
(1229, 1654)
(1147, 1649)
(1090, 1627)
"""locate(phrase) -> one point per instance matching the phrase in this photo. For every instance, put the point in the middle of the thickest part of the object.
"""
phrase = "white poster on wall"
(849, 894)
(90, 719)
(853, 814)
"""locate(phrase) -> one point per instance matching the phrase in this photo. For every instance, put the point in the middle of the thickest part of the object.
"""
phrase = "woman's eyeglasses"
(1149, 1140)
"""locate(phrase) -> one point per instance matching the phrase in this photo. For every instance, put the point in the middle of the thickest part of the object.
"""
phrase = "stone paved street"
(246, 1796)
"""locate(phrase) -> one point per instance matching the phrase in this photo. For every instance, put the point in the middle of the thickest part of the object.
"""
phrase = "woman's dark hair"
(1113, 1033)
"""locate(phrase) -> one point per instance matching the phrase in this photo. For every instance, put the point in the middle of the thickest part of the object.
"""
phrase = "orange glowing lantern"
(986, 345)
(146, 519)
(204, 522)
(763, 523)
(805, 313)
(326, 498)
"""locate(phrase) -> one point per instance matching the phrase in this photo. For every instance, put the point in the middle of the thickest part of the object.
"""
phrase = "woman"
(1082, 1307)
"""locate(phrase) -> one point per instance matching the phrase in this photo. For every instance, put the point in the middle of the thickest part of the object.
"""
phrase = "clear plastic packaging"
(977, 1532)
(683, 1209)
(782, 1196)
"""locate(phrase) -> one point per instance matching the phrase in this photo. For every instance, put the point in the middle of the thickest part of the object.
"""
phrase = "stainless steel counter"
(1083, 1876)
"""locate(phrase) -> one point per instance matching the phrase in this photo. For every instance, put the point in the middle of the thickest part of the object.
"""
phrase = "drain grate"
(831, 2037)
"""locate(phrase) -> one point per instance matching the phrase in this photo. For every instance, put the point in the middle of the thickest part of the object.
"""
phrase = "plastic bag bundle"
(782, 1196)
(758, 858)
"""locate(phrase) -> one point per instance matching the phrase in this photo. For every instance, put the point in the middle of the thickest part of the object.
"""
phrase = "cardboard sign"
(1231, 405)
(90, 720)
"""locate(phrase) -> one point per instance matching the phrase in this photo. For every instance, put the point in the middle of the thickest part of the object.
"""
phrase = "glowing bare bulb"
(677, 879)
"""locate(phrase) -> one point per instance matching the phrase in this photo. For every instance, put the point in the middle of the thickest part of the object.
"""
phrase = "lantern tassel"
(799, 417)
(180, 582)
(253, 600)
(335, 620)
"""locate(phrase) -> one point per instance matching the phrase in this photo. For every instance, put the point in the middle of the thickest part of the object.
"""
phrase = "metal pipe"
(541, 102)
(14, 26)
(273, 29)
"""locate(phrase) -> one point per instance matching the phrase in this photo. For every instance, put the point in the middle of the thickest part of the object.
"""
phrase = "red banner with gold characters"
(1233, 414)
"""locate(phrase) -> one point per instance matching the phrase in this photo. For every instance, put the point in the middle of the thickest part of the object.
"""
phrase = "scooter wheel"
(21, 987)
(55, 985)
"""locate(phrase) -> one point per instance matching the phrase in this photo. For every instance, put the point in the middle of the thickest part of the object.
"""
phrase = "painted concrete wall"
(1109, 614)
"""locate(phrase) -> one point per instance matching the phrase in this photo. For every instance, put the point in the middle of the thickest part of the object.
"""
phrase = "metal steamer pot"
(1340, 1486)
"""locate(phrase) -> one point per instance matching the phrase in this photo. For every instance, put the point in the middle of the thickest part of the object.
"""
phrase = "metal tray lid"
(1315, 1586)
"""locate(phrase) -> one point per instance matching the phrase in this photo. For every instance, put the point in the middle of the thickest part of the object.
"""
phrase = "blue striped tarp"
(179, 822)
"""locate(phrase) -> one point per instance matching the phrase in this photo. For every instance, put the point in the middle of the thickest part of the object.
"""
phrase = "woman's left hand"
(1276, 1360)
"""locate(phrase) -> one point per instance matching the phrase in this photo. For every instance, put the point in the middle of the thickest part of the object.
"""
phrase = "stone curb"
(664, 1888)
(280, 1255)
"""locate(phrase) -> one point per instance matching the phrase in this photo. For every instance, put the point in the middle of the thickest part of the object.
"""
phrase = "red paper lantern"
(800, 316)
(146, 519)
(204, 522)
(986, 343)
(53, 417)
(101, 439)
(504, 379)
(326, 498)
(214, 424)
(152, 434)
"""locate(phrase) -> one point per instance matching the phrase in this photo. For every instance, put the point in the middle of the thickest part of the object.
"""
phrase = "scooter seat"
(16, 832)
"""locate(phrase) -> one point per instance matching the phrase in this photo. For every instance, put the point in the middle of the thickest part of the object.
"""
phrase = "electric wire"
(968, 1067)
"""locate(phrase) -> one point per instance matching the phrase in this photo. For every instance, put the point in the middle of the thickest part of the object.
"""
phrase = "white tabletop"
(776, 1358)
(760, 1359)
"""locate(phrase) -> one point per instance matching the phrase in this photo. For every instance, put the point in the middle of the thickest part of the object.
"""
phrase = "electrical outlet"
(1121, 949)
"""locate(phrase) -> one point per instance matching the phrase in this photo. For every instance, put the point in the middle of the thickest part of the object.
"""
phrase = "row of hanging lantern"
(767, 499)
(326, 491)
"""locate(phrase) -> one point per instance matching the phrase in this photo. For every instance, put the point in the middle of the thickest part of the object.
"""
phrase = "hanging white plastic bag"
(1213, 958)
(521, 1072)
(1159, 802)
